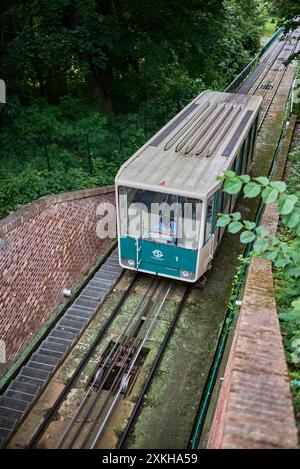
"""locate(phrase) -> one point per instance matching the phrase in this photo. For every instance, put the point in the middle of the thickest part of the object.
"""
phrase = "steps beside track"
(35, 374)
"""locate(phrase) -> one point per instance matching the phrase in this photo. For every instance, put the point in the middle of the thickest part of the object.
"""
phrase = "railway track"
(268, 82)
(276, 75)
(118, 366)
(116, 373)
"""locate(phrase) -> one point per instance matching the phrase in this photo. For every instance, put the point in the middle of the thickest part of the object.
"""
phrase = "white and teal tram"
(167, 193)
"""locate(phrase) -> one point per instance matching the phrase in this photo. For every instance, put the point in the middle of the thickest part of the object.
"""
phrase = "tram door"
(210, 240)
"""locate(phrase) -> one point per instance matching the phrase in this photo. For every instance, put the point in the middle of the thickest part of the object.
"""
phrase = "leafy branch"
(283, 252)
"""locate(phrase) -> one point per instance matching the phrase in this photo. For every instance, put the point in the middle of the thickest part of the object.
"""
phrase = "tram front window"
(160, 217)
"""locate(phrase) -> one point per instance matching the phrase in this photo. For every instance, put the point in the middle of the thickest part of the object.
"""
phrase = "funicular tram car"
(168, 195)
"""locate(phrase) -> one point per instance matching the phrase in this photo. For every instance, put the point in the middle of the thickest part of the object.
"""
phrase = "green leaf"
(293, 198)
(251, 190)
(274, 240)
(236, 216)
(284, 247)
(293, 220)
(281, 262)
(292, 270)
(260, 246)
(245, 178)
(262, 180)
(249, 225)
(224, 220)
(269, 195)
(229, 173)
(271, 254)
(233, 185)
(295, 256)
(296, 304)
(261, 231)
(235, 227)
(285, 205)
(284, 317)
(247, 236)
(278, 185)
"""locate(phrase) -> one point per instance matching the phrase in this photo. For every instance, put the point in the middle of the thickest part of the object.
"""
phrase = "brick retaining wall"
(45, 247)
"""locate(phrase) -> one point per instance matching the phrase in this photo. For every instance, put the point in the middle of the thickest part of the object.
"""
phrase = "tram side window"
(239, 161)
(189, 223)
(253, 135)
(226, 199)
(209, 218)
(226, 203)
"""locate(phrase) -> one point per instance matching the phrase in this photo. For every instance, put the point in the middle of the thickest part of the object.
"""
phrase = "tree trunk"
(99, 81)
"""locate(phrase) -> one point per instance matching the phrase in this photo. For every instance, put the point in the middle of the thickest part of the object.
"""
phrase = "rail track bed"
(139, 370)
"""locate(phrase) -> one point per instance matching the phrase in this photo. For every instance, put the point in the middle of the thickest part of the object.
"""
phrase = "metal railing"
(239, 80)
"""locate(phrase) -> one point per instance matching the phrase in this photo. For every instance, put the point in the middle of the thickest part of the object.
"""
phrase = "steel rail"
(271, 62)
(127, 375)
(154, 368)
(278, 83)
(117, 344)
(126, 341)
(118, 381)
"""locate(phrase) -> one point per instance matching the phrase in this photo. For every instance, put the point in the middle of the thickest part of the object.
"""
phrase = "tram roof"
(195, 147)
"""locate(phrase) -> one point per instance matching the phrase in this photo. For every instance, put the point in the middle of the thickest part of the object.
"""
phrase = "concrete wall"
(45, 247)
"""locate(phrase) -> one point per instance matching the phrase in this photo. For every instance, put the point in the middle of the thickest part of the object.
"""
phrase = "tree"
(288, 14)
(117, 53)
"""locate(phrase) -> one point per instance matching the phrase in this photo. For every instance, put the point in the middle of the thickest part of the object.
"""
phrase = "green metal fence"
(239, 80)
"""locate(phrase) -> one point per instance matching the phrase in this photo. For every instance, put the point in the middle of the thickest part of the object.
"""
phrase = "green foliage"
(119, 54)
(89, 82)
(251, 189)
(287, 12)
(233, 185)
(247, 236)
(235, 227)
(45, 149)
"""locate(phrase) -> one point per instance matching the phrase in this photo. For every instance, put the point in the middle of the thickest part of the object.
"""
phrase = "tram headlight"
(187, 275)
(128, 262)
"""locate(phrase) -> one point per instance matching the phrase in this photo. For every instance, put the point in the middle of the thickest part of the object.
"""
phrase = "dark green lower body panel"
(157, 258)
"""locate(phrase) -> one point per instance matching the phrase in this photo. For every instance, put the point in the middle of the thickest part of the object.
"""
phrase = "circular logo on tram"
(157, 253)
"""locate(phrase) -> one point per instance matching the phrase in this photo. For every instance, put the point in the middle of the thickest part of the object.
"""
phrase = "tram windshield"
(160, 217)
